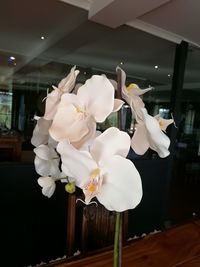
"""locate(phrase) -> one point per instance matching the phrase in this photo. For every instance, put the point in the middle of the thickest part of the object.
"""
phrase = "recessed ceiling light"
(42, 37)
(169, 75)
(156, 66)
(12, 58)
(121, 63)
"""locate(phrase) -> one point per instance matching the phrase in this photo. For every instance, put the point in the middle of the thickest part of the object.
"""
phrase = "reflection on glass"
(30, 77)
(189, 130)
(5, 110)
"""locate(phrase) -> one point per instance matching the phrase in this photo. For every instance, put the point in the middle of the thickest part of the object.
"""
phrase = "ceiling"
(97, 36)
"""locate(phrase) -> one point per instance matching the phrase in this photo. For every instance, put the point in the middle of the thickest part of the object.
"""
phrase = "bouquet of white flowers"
(68, 147)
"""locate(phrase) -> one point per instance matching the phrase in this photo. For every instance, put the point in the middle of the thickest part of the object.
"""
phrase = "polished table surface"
(178, 246)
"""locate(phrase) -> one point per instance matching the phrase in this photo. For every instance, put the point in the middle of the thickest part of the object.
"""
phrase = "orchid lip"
(90, 203)
(94, 173)
(82, 113)
(130, 87)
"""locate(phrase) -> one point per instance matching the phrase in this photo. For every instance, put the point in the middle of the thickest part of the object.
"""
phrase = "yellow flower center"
(91, 187)
(131, 87)
(78, 110)
(161, 124)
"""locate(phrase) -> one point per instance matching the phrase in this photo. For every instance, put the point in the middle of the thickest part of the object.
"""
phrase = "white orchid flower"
(104, 172)
(53, 99)
(47, 161)
(48, 183)
(149, 134)
(41, 132)
(132, 95)
(77, 115)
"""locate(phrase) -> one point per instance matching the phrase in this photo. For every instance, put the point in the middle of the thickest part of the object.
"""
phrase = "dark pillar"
(175, 100)
(176, 92)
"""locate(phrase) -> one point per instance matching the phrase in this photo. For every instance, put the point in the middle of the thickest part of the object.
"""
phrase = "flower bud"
(70, 187)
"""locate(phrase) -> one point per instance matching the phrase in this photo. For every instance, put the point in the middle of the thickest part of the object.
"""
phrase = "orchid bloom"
(77, 115)
(132, 95)
(53, 99)
(104, 172)
(47, 164)
(149, 134)
(48, 183)
(46, 161)
(41, 132)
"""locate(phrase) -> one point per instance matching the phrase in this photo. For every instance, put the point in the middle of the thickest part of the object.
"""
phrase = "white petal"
(114, 83)
(45, 181)
(157, 139)
(52, 143)
(42, 167)
(91, 124)
(38, 138)
(52, 101)
(41, 132)
(97, 94)
(48, 191)
(54, 168)
(110, 142)
(66, 170)
(87, 144)
(117, 104)
(122, 188)
(68, 123)
(79, 163)
(44, 125)
(45, 152)
(48, 185)
(47, 167)
(67, 84)
(46, 161)
(139, 141)
(136, 105)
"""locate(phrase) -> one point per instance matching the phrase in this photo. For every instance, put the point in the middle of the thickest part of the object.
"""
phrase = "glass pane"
(189, 134)
(186, 178)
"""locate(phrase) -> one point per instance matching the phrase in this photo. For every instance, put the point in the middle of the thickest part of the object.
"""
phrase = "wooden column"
(71, 220)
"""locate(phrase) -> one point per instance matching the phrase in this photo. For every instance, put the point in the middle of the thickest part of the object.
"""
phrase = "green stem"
(116, 240)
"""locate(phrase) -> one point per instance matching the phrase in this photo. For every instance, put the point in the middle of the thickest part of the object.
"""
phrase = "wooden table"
(178, 246)
(12, 144)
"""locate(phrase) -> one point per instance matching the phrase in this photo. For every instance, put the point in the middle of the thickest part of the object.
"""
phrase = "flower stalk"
(117, 244)
(118, 223)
